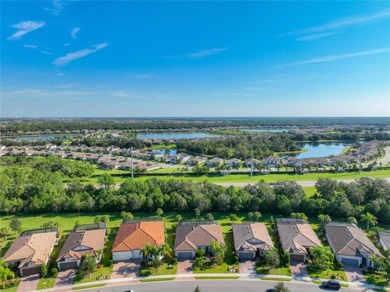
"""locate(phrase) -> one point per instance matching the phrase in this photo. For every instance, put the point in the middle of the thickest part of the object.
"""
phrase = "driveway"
(184, 267)
(65, 278)
(298, 270)
(354, 274)
(126, 269)
(28, 283)
(248, 267)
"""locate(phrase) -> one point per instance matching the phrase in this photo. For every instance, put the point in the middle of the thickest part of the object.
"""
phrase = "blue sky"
(200, 58)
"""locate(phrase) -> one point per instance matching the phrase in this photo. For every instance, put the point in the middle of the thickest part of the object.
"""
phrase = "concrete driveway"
(65, 278)
(28, 283)
(248, 267)
(354, 274)
(126, 269)
(298, 270)
(184, 267)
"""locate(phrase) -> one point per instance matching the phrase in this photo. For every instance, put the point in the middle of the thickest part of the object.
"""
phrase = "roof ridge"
(201, 226)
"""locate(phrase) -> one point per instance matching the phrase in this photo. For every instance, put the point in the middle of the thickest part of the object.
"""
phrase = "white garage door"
(121, 256)
(137, 254)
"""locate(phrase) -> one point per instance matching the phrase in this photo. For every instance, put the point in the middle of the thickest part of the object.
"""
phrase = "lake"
(264, 130)
(175, 136)
(322, 149)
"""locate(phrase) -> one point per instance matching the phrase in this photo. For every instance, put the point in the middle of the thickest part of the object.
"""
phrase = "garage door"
(184, 255)
(297, 257)
(351, 262)
(66, 266)
(30, 271)
(121, 256)
(246, 255)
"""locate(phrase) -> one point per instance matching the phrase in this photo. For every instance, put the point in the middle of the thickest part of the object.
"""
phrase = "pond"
(264, 130)
(175, 136)
(322, 149)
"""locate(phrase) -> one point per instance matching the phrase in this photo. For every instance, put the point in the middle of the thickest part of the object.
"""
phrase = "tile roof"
(189, 235)
(32, 248)
(296, 235)
(348, 239)
(135, 235)
(83, 242)
(251, 236)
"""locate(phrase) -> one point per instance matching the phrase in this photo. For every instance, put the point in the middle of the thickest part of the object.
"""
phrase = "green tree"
(234, 217)
(352, 220)
(257, 215)
(106, 180)
(197, 213)
(197, 289)
(299, 216)
(15, 224)
(218, 251)
(88, 266)
(369, 219)
(5, 232)
(272, 259)
(250, 216)
(209, 217)
(322, 258)
(51, 224)
(159, 212)
(179, 218)
(281, 287)
(5, 273)
(324, 219)
(43, 271)
(127, 215)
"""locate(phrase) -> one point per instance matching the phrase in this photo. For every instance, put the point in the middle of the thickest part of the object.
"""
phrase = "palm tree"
(146, 251)
(5, 273)
(369, 218)
(280, 287)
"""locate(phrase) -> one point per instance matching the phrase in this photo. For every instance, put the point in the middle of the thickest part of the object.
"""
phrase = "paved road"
(301, 183)
(213, 286)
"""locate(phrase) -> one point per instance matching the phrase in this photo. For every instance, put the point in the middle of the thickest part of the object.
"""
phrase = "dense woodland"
(15, 125)
(39, 188)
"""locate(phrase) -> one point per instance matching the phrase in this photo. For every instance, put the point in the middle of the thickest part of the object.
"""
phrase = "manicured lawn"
(376, 279)
(13, 289)
(215, 277)
(310, 191)
(224, 268)
(162, 270)
(157, 280)
(100, 274)
(339, 274)
(275, 278)
(46, 283)
(268, 271)
(89, 286)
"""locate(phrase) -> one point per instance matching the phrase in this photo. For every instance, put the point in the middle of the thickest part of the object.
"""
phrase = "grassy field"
(267, 271)
(100, 274)
(275, 278)
(339, 274)
(46, 283)
(162, 270)
(157, 280)
(216, 277)
(89, 286)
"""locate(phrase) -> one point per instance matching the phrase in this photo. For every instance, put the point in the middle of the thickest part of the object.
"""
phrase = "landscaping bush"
(54, 272)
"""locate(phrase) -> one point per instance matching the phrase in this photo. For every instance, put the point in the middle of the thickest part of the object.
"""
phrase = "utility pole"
(131, 162)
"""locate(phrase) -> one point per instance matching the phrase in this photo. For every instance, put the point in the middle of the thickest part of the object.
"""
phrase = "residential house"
(31, 250)
(134, 235)
(384, 239)
(296, 237)
(234, 162)
(215, 162)
(191, 236)
(251, 240)
(252, 161)
(350, 245)
(82, 241)
(271, 161)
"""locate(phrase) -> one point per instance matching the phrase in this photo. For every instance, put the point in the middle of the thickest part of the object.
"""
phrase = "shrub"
(235, 259)
(43, 271)
(54, 272)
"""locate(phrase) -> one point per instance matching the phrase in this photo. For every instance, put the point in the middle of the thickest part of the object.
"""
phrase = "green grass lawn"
(215, 277)
(46, 283)
(89, 286)
(162, 270)
(377, 279)
(338, 273)
(13, 289)
(100, 274)
(261, 269)
(157, 280)
(269, 278)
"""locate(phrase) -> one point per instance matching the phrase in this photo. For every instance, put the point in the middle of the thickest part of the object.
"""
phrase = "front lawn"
(216, 277)
(156, 280)
(377, 279)
(100, 274)
(46, 283)
(268, 278)
(337, 274)
(161, 270)
(261, 269)
(224, 268)
(88, 286)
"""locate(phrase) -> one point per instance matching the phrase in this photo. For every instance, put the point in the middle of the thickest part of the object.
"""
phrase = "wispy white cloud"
(125, 94)
(57, 6)
(25, 27)
(344, 22)
(312, 37)
(62, 61)
(197, 55)
(332, 58)
(74, 32)
(34, 47)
